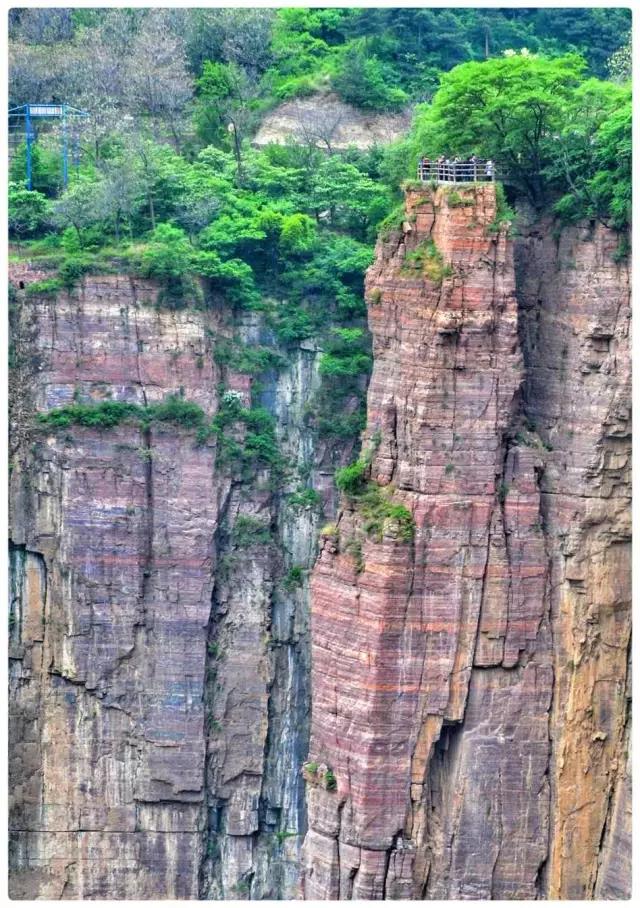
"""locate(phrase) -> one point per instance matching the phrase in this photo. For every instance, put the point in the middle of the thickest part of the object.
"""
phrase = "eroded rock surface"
(575, 316)
(469, 685)
(159, 670)
(326, 121)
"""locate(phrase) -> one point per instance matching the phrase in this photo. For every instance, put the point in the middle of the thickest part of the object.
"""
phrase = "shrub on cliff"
(252, 360)
(29, 212)
(72, 268)
(48, 287)
(109, 413)
(103, 415)
(294, 578)
(249, 531)
(426, 259)
(245, 452)
(351, 479)
(177, 410)
(380, 514)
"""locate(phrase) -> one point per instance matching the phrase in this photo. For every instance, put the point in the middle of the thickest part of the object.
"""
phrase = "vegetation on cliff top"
(562, 137)
(169, 186)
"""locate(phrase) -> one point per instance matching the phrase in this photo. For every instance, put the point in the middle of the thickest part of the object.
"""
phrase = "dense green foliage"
(351, 479)
(244, 56)
(252, 360)
(170, 187)
(28, 211)
(561, 139)
(201, 79)
(245, 438)
(109, 413)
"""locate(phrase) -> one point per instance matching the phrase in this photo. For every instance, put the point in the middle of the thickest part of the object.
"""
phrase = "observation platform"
(450, 171)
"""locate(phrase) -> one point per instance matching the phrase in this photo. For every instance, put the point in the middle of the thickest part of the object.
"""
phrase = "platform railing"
(456, 171)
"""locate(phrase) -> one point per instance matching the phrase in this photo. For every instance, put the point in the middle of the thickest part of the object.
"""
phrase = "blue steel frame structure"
(63, 112)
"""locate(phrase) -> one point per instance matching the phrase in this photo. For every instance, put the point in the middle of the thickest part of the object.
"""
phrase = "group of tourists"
(456, 170)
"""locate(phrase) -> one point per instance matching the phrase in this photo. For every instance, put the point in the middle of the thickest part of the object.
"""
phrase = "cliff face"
(469, 686)
(159, 666)
(575, 312)
(469, 679)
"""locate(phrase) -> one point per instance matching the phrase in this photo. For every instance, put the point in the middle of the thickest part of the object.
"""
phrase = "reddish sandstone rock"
(107, 706)
(434, 660)
(575, 313)
(159, 668)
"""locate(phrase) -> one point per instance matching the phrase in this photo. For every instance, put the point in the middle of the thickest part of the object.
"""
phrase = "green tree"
(29, 211)
(351, 198)
(123, 193)
(610, 187)
(46, 168)
(226, 106)
(168, 255)
(233, 277)
(298, 234)
(510, 109)
(592, 165)
(82, 207)
(367, 81)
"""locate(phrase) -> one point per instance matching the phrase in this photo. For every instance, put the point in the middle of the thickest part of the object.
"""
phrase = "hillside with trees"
(169, 185)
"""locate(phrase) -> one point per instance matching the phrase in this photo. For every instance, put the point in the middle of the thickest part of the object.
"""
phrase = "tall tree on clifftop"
(511, 109)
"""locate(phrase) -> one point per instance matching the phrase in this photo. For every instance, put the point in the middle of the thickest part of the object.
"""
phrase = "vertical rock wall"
(107, 743)
(469, 686)
(159, 674)
(575, 316)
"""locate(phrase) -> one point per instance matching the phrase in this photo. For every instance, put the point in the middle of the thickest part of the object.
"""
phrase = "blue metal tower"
(21, 120)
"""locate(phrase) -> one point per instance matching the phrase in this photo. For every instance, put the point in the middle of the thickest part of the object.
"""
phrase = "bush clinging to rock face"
(249, 531)
(381, 516)
(109, 413)
(350, 479)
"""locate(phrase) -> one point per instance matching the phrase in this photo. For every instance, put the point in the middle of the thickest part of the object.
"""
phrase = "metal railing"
(456, 171)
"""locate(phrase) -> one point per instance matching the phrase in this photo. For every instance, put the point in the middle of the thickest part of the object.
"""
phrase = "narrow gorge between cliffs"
(223, 690)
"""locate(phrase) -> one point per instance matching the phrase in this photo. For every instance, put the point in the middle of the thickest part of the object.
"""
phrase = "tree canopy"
(169, 185)
(553, 132)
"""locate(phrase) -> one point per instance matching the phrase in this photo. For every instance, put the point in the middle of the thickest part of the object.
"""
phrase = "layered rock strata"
(442, 676)
(470, 685)
(159, 672)
(575, 318)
